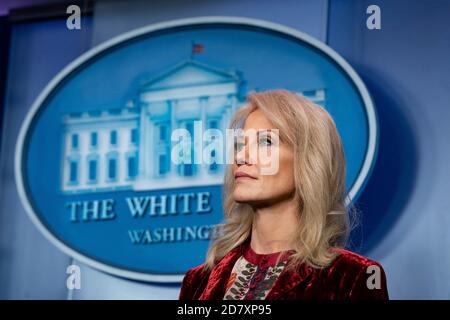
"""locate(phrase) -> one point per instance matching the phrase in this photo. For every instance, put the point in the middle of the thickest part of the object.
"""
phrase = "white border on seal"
(363, 173)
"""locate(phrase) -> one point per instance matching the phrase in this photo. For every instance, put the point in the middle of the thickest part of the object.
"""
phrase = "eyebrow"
(258, 131)
(264, 131)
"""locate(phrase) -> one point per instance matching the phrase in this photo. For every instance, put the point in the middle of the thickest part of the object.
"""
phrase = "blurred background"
(405, 65)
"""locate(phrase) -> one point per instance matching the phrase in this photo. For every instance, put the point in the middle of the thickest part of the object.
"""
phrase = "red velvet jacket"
(344, 279)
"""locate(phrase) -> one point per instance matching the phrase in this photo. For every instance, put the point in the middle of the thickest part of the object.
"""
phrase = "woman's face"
(260, 188)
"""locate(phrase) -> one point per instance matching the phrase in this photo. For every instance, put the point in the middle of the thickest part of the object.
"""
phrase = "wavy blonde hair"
(319, 173)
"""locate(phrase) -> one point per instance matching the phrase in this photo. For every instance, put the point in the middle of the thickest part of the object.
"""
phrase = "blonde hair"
(319, 174)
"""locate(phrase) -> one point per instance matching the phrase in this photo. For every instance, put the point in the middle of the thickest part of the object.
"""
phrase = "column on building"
(143, 143)
(173, 125)
(203, 167)
(226, 118)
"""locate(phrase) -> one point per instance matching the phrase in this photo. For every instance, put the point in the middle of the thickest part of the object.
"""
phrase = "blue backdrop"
(403, 67)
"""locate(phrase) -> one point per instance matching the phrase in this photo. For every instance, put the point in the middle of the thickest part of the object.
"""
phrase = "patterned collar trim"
(268, 259)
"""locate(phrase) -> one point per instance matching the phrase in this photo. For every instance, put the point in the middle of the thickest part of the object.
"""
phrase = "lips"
(243, 175)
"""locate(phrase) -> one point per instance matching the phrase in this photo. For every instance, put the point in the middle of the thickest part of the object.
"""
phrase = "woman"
(284, 232)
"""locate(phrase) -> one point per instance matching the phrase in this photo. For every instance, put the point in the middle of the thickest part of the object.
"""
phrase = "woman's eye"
(265, 142)
(238, 146)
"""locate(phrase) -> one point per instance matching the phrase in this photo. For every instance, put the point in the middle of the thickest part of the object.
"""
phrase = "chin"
(242, 198)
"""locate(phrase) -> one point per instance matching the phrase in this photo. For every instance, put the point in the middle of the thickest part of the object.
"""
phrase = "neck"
(273, 227)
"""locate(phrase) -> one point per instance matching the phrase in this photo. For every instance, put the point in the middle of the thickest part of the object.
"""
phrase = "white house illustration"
(130, 147)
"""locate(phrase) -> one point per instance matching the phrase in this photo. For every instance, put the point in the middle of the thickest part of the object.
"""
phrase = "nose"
(242, 154)
(241, 157)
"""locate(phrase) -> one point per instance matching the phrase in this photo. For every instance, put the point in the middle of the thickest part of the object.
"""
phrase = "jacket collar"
(218, 278)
